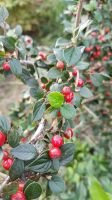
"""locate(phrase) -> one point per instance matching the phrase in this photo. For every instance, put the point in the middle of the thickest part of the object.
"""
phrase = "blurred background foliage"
(39, 18)
(44, 20)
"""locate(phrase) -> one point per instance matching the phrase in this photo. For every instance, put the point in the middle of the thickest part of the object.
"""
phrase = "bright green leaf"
(55, 99)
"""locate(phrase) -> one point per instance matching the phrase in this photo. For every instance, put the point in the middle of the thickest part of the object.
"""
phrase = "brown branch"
(38, 131)
(6, 180)
(78, 15)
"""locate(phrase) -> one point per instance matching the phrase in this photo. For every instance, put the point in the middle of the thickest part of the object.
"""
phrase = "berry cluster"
(19, 195)
(95, 51)
(57, 141)
(6, 160)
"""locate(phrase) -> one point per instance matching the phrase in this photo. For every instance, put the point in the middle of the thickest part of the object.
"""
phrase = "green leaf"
(4, 124)
(53, 73)
(97, 79)
(85, 92)
(72, 55)
(16, 170)
(62, 42)
(24, 152)
(55, 99)
(3, 14)
(82, 65)
(76, 100)
(67, 153)
(28, 183)
(68, 111)
(9, 43)
(41, 164)
(16, 67)
(59, 54)
(13, 138)
(56, 164)
(96, 191)
(10, 189)
(33, 191)
(38, 110)
(18, 30)
(36, 93)
(56, 184)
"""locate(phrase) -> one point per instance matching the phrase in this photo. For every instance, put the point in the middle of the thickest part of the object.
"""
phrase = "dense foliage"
(69, 94)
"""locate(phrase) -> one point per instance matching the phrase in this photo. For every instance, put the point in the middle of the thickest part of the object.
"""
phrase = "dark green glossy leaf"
(24, 152)
(16, 170)
(16, 67)
(33, 191)
(67, 153)
(56, 184)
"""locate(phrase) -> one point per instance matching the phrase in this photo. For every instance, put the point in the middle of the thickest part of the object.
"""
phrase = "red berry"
(18, 196)
(21, 186)
(80, 83)
(43, 86)
(87, 49)
(93, 34)
(29, 41)
(5, 155)
(57, 141)
(59, 114)
(105, 58)
(109, 54)
(6, 66)
(42, 55)
(98, 47)
(60, 65)
(2, 138)
(91, 58)
(74, 73)
(7, 163)
(66, 90)
(68, 133)
(101, 38)
(69, 97)
(55, 152)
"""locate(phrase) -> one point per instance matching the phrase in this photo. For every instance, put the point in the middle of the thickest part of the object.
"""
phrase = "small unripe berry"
(54, 153)
(60, 65)
(66, 90)
(69, 97)
(57, 141)
(74, 72)
(6, 66)
(5, 155)
(2, 138)
(7, 163)
(18, 196)
(80, 83)
(42, 55)
(68, 133)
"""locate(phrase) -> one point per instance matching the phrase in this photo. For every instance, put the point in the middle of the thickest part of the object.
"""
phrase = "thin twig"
(90, 112)
(78, 15)
(38, 131)
(4, 183)
(27, 62)
(5, 32)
